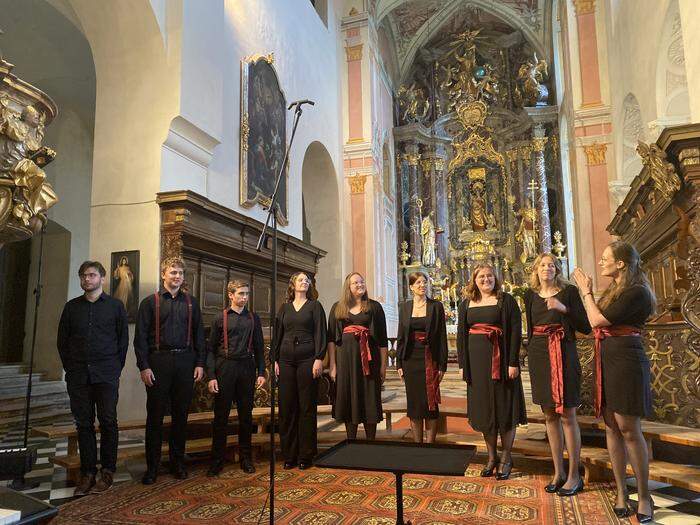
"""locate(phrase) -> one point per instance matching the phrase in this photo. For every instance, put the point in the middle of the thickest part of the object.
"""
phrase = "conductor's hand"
(400, 371)
(441, 374)
(213, 386)
(317, 369)
(260, 382)
(583, 281)
(513, 372)
(199, 373)
(147, 377)
(555, 304)
(333, 371)
(277, 369)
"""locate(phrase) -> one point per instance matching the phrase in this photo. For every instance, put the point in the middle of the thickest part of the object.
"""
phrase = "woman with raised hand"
(554, 313)
(622, 371)
(298, 352)
(488, 347)
(421, 356)
(357, 350)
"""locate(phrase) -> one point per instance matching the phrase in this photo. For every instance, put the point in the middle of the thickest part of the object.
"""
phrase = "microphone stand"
(272, 214)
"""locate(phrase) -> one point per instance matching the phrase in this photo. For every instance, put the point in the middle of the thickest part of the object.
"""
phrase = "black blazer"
(510, 342)
(574, 321)
(436, 334)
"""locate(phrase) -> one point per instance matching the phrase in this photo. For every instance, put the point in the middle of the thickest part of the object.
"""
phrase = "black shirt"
(632, 307)
(239, 327)
(308, 324)
(93, 338)
(173, 327)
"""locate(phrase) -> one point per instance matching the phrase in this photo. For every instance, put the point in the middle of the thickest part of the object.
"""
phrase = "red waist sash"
(555, 335)
(494, 334)
(600, 334)
(362, 334)
(432, 373)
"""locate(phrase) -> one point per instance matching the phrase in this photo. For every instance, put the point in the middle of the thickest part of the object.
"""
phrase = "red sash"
(432, 373)
(362, 334)
(555, 335)
(225, 329)
(188, 299)
(494, 334)
(600, 334)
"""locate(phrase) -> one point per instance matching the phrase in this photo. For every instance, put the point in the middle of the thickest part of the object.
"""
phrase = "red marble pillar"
(600, 203)
(588, 53)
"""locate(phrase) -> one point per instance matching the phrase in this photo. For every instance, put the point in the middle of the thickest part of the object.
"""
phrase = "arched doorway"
(322, 219)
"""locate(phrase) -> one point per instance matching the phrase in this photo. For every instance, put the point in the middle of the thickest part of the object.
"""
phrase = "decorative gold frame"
(259, 198)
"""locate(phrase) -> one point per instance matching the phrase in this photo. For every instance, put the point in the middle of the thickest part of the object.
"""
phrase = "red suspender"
(189, 318)
(225, 329)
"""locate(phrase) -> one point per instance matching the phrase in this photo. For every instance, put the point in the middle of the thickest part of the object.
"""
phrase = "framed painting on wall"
(263, 134)
(124, 280)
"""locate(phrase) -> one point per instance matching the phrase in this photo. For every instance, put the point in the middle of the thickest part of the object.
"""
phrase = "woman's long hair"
(559, 280)
(347, 300)
(311, 293)
(471, 291)
(632, 274)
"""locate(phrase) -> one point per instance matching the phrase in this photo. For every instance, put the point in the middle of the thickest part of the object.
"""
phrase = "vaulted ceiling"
(410, 25)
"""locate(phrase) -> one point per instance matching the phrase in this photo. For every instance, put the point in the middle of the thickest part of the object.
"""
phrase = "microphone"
(300, 102)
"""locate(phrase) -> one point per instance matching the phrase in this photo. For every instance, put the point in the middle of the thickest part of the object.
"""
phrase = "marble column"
(442, 219)
(415, 191)
(542, 202)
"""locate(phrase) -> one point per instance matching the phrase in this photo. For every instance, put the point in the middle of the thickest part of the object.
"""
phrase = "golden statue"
(479, 216)
(666, 180)
(529, 90)
(527, 233)
(415, 102)
(427, 232)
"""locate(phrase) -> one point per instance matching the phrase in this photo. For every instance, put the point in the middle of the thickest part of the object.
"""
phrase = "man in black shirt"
(170, 353)
(93, 337)
(235, 352)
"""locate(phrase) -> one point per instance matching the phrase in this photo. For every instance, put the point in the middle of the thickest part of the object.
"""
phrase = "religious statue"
(666, 180)
(427, 232)
(479, 216)
(486, 84)
(527, 233)
(414, 101)
(28, 196)
(529, 90)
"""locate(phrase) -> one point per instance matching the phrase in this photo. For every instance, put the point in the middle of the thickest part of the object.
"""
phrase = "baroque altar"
(478, 171)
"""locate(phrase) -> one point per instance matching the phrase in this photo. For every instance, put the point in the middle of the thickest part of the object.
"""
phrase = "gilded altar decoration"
(263, 135)
(530, 90)
(25, 194)
(414, 103)
(427, 232)
(558, 248)
(662, 172)
(404, 256)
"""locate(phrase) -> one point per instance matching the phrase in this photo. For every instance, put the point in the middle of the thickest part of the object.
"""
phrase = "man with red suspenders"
(235, 354)
(170, 352)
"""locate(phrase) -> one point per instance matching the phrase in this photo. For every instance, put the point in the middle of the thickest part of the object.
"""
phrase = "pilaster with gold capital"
(595, 154)
(584, 7)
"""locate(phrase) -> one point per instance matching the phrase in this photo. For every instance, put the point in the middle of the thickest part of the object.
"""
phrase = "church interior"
(430, 137)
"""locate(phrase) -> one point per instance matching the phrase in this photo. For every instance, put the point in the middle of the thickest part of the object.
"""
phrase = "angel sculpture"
(416, 105)
(529, 90)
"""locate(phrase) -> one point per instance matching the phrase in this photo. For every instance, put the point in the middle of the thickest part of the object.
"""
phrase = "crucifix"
(533, 186)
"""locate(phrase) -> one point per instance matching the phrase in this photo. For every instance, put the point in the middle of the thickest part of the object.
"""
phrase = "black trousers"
(84, 399)
(298, 402)
(173, 385)
(236, 380)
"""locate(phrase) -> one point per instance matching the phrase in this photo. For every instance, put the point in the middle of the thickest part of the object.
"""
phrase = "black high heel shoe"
(551, 488)
(504, 473)
(487, 471)
(623, 512)
(646, 518)
(573, 491)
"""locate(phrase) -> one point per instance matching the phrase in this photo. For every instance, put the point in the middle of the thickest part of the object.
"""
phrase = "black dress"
(492, 405)
(358, 397)
(538, 350)
(626, 369)
(411, 354)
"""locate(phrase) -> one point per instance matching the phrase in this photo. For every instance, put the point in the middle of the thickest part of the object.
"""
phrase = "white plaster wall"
(690, 20)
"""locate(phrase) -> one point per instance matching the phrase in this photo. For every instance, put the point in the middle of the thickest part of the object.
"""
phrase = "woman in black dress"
(554, 313)
(623, 375)
(488, 347)
(357, 348)
(298, 352)
(421, 356)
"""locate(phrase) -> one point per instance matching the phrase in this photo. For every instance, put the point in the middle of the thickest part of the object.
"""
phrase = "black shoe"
(149, 478)
(288, 465)
(504, 473)
(215, 469)
(551, 488)
(487, 471)
(622, 512)
(179, 472)
(247, 466)
(646, 518)
(571, 492)
(303, 465)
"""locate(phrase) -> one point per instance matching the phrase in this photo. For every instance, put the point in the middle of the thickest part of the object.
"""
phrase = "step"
(41, 389)
(20, 381)
(12, 369)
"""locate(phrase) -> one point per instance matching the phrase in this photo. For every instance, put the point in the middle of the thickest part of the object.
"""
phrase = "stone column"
(542, 202)
(442, 219)
(414, 193)
(597, 162)
(357, 213)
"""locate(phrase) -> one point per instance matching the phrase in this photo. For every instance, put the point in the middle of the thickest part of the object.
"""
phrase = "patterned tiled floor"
(674, 506)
